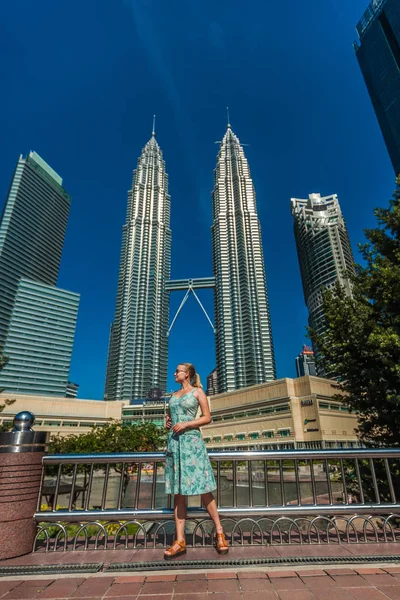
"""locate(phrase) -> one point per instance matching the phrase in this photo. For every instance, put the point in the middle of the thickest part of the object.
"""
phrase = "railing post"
(21, 453)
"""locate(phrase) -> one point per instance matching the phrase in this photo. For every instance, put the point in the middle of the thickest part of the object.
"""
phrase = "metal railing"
(301, 496)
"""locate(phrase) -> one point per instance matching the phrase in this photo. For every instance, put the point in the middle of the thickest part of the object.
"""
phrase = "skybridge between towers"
(190, 285)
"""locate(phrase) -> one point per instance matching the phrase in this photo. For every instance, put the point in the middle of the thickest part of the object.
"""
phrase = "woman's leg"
(180, 516)
(211, 507)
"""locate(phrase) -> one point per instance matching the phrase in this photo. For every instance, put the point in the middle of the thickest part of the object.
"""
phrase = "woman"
(188, 469)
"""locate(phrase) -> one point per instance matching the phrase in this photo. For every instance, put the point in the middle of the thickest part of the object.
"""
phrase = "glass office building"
(378, 54)
(40, 339)
(32, 231)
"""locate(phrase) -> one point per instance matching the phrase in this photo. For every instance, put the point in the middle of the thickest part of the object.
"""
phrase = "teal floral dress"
(188, 469)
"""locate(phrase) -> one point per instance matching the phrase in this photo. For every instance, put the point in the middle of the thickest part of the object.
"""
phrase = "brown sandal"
(221, 544)
(177, 549)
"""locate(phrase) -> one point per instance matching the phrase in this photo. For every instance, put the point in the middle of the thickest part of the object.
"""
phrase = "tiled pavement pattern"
(363, 583)
(105, 557)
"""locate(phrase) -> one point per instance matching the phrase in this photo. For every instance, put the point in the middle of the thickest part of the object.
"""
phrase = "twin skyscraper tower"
(138, 347)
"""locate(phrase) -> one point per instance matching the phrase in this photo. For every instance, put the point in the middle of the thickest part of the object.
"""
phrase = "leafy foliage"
(7, 402)
(361, 342)
(112, 438)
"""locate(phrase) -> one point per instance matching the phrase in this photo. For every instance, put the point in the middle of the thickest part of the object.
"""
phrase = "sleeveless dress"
(188, 469)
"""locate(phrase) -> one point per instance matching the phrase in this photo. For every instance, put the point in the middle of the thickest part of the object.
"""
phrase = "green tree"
(361, 342)
(7, 402)
(112, 438)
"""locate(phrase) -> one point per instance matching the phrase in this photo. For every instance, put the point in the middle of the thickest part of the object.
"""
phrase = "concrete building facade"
(285, 413)
(60, 415)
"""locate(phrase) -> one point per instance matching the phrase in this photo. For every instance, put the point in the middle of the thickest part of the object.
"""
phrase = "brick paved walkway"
(275, 584)
(107, 557)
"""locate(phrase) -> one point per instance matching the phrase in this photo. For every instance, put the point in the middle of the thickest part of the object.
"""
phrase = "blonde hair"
(194, 377)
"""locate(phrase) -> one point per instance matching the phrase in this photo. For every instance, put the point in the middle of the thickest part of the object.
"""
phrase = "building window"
(254, 435)
(282, 408)
(216, 438)
(240, 436)
(284, 432)
(268, 434)
(228, 437)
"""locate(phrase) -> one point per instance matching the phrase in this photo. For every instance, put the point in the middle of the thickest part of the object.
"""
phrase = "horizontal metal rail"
(300, 454)
(78, 516)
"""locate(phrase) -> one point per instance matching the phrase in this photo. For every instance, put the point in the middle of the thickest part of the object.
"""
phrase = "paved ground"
(107, 557)
(350, 581)
(357, 583)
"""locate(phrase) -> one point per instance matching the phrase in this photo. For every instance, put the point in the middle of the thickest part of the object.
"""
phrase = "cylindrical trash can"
(21, 453)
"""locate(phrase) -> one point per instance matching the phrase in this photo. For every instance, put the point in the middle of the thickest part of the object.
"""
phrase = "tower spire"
(244, 347)
(153, 133)
(141, 313)
(227, 117)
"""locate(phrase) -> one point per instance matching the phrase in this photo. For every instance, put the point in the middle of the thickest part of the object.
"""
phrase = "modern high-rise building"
(212, 383)
(32, 230)
(138, 347)
(40, 339)
(323, 249)
(378, 53)
(305, 362)
(37, 320)
(72, 390)
(244, 346)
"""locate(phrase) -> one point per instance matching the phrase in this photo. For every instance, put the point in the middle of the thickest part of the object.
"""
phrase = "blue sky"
(80, 83)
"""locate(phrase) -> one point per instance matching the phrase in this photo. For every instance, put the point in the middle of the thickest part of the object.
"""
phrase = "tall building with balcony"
(378, 53)
(37, 320)
(212, 383)
(323, 249)
(138, 347)
(72, 390)
(244, 346)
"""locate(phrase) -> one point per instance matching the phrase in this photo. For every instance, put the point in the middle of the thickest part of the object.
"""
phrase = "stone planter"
(21, 453)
